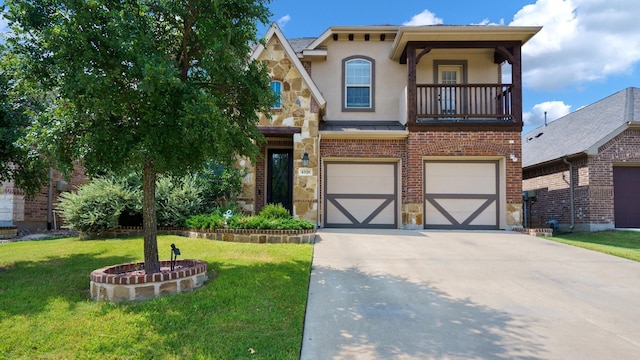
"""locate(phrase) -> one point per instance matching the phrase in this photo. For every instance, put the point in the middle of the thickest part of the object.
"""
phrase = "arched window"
(358, 84)
(276, 86)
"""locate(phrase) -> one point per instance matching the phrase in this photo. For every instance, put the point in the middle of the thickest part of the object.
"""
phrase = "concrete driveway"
(467, 295)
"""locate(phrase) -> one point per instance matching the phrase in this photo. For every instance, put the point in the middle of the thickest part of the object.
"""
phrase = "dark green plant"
(98, 204)
(275, 211)
(161, 87)
(220, 184)
(177, 199)
(216, 220)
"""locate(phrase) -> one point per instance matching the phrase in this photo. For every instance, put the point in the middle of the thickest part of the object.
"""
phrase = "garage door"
(626, 196)
(461, 195)
(361, 195)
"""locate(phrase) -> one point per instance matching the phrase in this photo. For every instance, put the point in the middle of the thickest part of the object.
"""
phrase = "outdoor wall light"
(305, 160)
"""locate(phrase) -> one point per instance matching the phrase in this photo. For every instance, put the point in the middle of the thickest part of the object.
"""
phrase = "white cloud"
(488, 22)
(581, 41)
(553, 110)
(424, 18)
(282, 22)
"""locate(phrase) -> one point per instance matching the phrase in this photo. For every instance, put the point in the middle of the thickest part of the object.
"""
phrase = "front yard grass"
(625, 244)
(257, 301)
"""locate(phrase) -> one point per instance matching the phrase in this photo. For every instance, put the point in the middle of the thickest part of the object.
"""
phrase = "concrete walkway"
(467, 295)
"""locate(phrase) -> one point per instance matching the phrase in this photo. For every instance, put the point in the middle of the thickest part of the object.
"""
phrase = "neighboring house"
(38, 212)
(582, 171)
(394, 127)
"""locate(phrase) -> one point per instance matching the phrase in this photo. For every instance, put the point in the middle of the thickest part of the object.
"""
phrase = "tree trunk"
(149, 220)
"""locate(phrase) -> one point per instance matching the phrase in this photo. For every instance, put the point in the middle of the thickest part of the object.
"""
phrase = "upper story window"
(358, 84)
(276, 86)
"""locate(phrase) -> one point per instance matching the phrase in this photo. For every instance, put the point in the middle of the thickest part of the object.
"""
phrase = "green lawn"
(256, 301)
(624, 244)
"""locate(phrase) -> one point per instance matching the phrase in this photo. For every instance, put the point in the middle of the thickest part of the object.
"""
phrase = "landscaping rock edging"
(123, 282)
(255, 236)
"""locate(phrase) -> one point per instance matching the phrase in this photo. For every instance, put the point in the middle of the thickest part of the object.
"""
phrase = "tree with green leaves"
(161, 86)
(20, 163)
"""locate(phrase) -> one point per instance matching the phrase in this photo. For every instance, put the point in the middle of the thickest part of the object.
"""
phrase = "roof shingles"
(578, 131)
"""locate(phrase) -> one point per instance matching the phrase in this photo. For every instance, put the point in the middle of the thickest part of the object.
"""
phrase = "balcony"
(463, 106)
(469, 102)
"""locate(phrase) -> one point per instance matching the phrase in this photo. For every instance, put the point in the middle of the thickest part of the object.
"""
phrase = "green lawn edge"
(624, 244)
(255, 299)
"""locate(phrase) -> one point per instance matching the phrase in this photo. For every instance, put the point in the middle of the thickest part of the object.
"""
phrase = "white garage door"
(461, 195)
(361, 195)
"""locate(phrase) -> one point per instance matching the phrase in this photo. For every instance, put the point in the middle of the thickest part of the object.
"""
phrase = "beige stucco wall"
(390, 76)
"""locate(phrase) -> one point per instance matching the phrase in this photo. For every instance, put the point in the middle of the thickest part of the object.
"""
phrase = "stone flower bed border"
(255, 236)
(128, 282)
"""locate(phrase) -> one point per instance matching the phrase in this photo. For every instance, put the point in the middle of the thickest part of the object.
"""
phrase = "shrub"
(177, 199)
(271, 219)
(220, 184)
(98, 204)
(215, 220)
(275, 211)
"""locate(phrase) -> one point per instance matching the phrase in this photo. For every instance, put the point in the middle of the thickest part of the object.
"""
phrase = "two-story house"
(394, 127)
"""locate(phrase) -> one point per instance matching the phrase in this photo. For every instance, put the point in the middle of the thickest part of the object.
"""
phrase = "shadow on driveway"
(375, 316)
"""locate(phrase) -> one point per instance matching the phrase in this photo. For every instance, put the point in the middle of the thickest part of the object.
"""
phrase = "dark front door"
(280, 177)
(626, 196)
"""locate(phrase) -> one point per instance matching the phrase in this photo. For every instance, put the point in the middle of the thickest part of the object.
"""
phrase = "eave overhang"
(466, 35)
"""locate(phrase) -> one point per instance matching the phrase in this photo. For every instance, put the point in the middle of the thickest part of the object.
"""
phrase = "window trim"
(278, 104)
(372, 84)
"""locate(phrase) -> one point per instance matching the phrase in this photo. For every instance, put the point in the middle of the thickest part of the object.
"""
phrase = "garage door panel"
(455, 178)
(461, 194)
(361, 195)
(356, 184)
(460, 209)
(487, 216)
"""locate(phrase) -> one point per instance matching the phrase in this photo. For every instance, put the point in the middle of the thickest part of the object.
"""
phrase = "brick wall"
(365, 148)
(35, 209)
(419, 144)
(551, 186)
(593, 185)
(489, 143)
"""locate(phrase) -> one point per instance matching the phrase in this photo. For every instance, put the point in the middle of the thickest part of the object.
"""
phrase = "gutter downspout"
(319, 206)
(50, 199)
(571, 207)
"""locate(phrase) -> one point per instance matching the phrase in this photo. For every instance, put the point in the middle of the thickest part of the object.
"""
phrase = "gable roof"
(274, 30)
(584, 130)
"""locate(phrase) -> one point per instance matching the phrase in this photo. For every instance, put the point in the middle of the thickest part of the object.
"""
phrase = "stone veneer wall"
(300, 110)
(593, 186)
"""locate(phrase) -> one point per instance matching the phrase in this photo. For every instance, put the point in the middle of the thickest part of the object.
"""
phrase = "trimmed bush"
(272, 217)
(177, 199)
(97, 205)
(275, 211)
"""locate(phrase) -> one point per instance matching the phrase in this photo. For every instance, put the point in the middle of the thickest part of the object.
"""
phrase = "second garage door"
(626, 196)
(361, 195)
(461, 195)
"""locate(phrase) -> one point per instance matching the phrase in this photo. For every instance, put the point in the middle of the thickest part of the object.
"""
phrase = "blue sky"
(587, 50)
